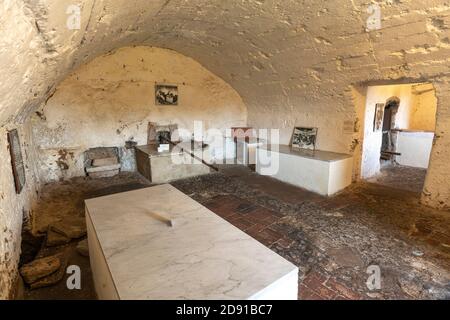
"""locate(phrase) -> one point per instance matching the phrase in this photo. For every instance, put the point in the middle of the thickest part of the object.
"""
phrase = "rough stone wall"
(111, 100)
(14, 208)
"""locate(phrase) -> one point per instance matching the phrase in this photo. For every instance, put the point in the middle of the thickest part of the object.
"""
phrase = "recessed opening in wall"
(399, 130)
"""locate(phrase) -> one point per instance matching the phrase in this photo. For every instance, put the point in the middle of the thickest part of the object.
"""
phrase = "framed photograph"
(304, 138)
(166, 95)
(378, 117)
(17, 164)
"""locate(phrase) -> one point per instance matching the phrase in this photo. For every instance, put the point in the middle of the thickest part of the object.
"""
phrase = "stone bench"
(102, 162)
(319, 171)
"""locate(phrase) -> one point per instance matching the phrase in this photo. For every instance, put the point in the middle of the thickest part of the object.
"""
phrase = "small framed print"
(304, 138)
(378, 117)
(166, 95)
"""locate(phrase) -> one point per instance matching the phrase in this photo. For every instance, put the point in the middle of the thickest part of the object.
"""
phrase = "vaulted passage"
(319, 129)
(400, 122)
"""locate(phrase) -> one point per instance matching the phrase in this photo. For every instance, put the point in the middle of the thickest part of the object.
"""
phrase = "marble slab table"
(157, 243)
(323, 172)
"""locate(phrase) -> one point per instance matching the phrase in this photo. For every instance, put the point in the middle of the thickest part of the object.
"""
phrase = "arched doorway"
(398, 134)
(387, 151)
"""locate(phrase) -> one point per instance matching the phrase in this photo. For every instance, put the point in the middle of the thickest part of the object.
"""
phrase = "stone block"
(40, 268)
(104, 162)
(54, 277)
(56, 239)
(71, 227)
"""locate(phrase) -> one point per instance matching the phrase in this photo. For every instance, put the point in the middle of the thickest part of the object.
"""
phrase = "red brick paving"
(256, 221)
(323, 287)
(253, 219)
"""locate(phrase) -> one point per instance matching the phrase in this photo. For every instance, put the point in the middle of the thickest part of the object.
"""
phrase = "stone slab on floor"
(200, 257)
(40, 268)
(70, 227)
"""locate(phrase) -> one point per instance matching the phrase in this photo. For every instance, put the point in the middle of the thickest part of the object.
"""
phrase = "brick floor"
(256, 221)
(251, 218)
(373, 223)
(323, 287)
(337, 237)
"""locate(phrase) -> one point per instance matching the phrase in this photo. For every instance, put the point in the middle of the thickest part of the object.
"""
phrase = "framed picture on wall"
(166, 95)
(304, 138)
(17, 164)
(378, 117)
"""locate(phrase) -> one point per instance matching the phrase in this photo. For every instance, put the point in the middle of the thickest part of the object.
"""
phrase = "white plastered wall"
(111, 100)
(15, 209)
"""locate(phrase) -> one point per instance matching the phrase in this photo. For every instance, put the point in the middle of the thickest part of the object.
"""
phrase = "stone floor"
(332, 240)
(401, 177)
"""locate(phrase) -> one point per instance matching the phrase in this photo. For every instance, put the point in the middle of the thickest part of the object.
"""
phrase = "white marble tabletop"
(320, 155)
(201, 256)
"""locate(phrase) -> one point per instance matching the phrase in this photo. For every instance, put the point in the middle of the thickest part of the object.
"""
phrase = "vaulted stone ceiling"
(278, 54)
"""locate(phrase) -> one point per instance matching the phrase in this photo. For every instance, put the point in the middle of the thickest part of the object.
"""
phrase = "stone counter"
(136, 254)
(323, 172)
(177, 163)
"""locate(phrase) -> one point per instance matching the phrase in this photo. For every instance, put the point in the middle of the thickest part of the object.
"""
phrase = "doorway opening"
(387, 151)
(399, 130)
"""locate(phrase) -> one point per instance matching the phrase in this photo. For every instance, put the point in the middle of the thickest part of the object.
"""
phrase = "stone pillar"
(436, 191)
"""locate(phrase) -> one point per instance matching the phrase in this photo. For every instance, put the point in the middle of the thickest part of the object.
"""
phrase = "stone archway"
(388, 138)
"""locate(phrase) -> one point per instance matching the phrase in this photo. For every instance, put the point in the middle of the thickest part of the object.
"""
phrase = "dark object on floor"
(30, 247)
